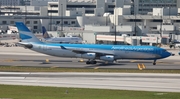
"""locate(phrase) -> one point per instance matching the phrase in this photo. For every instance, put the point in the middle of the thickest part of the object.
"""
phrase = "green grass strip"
(40, 69)
(36, 92)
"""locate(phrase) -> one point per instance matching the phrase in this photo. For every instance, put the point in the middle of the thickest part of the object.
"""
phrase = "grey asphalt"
(118, 81)
(17, 56)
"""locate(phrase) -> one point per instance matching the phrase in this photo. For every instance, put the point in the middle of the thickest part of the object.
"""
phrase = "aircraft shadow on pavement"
(102, 64)
(99, 63)
(138, 61)
(49, 60)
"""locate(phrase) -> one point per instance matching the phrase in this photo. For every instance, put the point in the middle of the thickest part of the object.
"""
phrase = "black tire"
(154, 63)
(87, 62)
(93, 62)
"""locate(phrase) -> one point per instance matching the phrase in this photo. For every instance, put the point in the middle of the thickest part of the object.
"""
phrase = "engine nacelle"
(107, 58)
(87, 55)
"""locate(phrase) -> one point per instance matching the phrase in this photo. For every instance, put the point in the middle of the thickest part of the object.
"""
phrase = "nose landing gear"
(154, 63)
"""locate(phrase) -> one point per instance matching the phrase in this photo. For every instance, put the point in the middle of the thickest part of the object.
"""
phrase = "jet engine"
(107, 58)
(87, 55)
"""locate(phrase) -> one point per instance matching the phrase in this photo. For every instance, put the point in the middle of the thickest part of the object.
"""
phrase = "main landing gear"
(91, 62)
(154, 63)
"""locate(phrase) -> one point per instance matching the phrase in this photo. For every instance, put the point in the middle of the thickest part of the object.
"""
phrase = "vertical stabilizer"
(25, 34)
(45, 34)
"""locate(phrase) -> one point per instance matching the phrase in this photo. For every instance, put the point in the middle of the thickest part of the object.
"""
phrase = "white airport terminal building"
(100, 21)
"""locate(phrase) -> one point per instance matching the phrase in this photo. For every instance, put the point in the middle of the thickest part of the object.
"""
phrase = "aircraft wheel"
(93, 62)
(154, 63)
(88, 62)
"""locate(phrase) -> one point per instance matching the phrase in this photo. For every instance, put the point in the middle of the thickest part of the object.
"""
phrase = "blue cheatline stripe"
(143, 49)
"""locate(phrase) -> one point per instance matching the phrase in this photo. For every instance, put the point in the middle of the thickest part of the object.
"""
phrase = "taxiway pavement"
(118, 81)
(18, 56)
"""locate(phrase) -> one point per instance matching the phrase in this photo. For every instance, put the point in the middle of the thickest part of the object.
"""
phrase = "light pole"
(169, 12)
(25, 13)
(142, 20)
(0, 7)
(61, 19)
(115, 42)
(142, 5)
(161, 22)
(51, 18)
(135, 20)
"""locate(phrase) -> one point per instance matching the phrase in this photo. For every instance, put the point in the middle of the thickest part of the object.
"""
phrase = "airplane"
(49, 39)
(92, 52)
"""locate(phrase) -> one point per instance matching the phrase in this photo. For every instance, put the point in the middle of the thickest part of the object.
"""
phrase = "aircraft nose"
(167, 54)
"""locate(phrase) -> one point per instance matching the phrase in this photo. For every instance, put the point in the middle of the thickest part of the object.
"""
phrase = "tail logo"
(23, 36)
(45, 34)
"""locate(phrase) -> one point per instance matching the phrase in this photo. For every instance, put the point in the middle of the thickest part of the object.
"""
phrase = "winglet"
(62, 47)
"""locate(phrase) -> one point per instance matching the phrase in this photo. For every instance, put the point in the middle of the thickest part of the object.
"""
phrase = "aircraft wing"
(82, 51)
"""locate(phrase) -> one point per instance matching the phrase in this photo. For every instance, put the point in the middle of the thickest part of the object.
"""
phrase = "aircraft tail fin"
(25, 34)
(45, 34)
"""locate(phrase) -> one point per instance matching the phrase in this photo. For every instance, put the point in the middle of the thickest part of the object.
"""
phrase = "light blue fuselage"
(118, 51)
(90, 51)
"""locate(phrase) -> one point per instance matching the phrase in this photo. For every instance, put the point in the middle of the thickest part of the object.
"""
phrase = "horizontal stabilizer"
(62, 47)
(26, 45)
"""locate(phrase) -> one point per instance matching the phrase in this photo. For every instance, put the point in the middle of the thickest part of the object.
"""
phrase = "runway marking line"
(133, 61)
(81, 60)
(9, 60)
(96, 68)
(141, 66)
